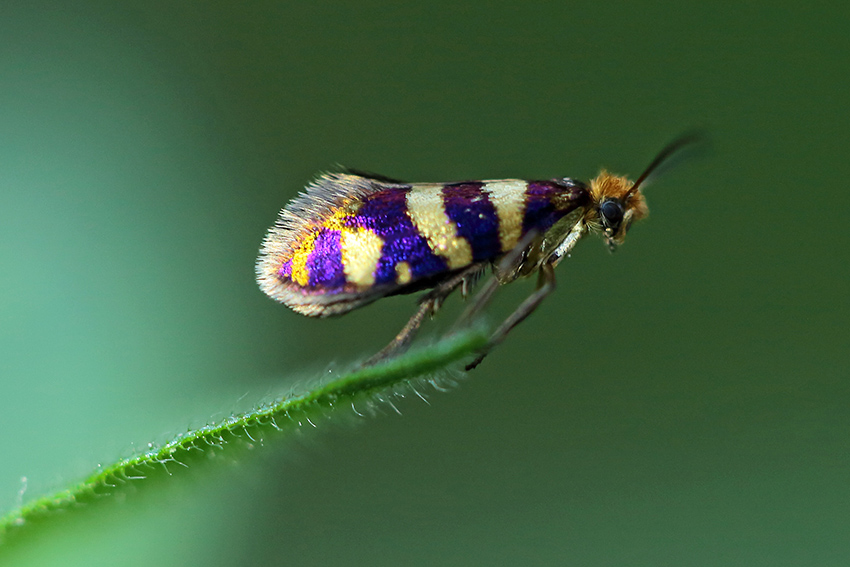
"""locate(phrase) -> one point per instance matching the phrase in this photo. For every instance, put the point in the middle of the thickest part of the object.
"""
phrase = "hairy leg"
(545, 286)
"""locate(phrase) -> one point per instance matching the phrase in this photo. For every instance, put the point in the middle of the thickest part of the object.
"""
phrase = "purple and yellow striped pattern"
(351, 239)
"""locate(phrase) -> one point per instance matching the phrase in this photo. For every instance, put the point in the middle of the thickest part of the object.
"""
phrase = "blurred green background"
(682, 402)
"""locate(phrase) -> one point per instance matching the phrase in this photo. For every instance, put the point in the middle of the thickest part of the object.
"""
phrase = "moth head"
(617, 203)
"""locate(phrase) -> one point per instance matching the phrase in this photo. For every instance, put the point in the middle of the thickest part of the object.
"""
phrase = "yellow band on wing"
(361, 251)
(508, 196)
(300, 274)
(428, 213)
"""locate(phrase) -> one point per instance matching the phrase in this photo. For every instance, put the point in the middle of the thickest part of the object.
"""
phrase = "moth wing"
(328, 193)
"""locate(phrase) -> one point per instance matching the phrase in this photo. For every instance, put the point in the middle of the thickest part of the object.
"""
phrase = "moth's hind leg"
(429, 304)
(545, 286)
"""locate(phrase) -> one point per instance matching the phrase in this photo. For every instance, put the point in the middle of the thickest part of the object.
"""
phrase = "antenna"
(671, 148)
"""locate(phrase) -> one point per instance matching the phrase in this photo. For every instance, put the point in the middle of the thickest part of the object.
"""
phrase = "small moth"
(353, 238)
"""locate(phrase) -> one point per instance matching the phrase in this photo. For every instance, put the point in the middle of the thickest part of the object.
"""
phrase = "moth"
(352, 238)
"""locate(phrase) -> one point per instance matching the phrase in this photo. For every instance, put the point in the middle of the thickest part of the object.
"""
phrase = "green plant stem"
(371, 382)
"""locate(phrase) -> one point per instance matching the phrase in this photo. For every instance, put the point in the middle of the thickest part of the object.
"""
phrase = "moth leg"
(401, 341)
(509, 264)
(428, 305)
(480, 301)
(545, 286)
(568, 243)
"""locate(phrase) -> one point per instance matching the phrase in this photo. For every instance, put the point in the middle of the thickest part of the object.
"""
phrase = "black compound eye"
(612, 213)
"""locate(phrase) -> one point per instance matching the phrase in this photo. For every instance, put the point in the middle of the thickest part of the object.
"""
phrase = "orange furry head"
(617, 203)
